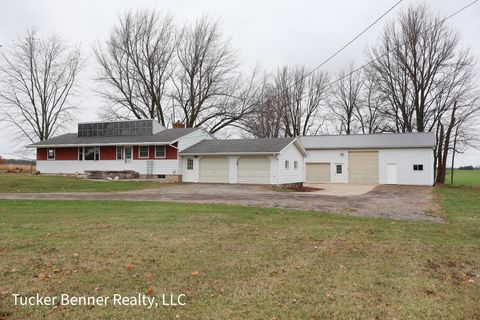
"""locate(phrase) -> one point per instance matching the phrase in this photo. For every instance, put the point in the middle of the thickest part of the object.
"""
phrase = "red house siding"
(70, 153)
(108, 153)
(41, 153)
(171, 153)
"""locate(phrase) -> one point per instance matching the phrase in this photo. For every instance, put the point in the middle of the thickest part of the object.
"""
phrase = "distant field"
(23, 167)
(464, 177)
(27, 183)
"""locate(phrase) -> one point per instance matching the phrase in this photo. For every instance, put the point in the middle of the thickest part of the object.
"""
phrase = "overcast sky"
(268, 33)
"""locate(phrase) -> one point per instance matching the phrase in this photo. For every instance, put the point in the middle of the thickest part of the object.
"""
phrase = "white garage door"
(363, 167)
(318, 172)
(254, 170)
(214, 169)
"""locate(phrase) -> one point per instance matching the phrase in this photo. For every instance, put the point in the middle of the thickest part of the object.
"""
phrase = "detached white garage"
(385, 158)
(245, 161)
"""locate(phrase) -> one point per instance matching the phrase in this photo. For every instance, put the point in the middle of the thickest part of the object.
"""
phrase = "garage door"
(318, 172)
(254, 170)
(363, 167)
(214, 169)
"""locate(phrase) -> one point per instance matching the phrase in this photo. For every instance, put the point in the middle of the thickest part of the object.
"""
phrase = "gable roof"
(166, 136)
(368, 141)
(240, 146)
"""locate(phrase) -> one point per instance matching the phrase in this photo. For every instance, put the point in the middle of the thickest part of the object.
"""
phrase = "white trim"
(164, 152)
(122, 153)
(100, 144)
(299, 146)
(227, 153)
(148, 152)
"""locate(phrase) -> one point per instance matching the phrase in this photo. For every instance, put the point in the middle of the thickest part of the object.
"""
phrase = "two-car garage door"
(249, 170)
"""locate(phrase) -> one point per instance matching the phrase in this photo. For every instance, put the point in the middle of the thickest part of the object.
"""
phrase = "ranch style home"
(193, 155)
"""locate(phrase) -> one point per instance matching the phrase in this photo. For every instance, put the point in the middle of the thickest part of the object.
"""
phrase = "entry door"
(128, 154)
(391, 173)
(189, 175)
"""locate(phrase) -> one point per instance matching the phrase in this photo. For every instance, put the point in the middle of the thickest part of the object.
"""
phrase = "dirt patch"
(393, 202)
(295, 189)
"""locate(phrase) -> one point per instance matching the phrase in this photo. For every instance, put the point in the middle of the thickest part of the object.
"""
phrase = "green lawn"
(27, 183)
(464, 177)
(251, 263)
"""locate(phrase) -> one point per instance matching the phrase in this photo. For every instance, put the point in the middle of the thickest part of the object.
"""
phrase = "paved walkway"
(394, 202)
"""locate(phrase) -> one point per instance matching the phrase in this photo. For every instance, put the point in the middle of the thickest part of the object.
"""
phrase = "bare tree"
(370, 111)
(346, 101)
(37, 78)
(136, 65)
(426, 77)
(209, 91)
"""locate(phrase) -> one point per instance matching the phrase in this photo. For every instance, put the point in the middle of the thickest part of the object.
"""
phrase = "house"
(252, 161)
(144, 146)
(384, 158)
(174, 155)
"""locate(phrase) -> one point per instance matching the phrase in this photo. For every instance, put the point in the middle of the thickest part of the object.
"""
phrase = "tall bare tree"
(136, 65)
(426, 77)
(37, 78)
(346, 101)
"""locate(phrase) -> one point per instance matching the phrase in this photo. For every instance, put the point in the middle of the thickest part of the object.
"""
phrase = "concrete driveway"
(341, 189)
(394, 202)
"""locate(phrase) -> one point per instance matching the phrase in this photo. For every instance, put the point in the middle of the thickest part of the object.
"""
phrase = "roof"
(240, 146)
(166, 136)
(369, 141)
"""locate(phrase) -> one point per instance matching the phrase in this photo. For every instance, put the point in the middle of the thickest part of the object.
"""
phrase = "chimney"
(178, 124)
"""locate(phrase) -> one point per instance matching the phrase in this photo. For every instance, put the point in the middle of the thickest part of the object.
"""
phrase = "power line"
(389, 51)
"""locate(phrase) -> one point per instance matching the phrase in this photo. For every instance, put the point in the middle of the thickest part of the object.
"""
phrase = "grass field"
(27, 183)
(241, 263)
(464, 177)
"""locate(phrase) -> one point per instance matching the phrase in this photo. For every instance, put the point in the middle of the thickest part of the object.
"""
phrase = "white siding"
(193, 138)
(405, 159)
(74, 166)
(290, 175)
(333, 157)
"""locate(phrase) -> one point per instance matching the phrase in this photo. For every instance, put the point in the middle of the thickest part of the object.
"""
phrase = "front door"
(128, 154)
(188, 175)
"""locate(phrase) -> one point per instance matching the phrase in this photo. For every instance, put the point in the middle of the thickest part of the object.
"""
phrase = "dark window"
(418, 167)
(161, 176)
(80, 153)
(339, 169)
(295, 164)
(91, 153)
(143, 151)
(189, 164)
(51, 153)
(119, 153)
(159, 151)
(287, 164)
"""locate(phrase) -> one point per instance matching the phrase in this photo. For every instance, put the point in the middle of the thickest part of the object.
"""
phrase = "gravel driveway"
(394, 202)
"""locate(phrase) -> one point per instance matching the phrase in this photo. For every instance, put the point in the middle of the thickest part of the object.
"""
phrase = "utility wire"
(394, 48)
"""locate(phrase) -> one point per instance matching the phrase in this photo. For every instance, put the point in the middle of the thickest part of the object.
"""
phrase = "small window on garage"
(190, 164)
(295, 164)
(51, 153)
(339, 169)
(418, 167)
(287, 164)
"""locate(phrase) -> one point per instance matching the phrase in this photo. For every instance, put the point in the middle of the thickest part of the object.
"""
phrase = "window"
(143, 152)
(339, 169)
(189, 164)
(295, 164)
(418, 167)
(119, 153)
(51, 154)
(80, 153)
(159, 151)
(161, 176)
(91, 153)
(286, 164)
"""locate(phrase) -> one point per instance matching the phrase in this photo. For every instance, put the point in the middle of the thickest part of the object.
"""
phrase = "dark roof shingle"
(232, 146)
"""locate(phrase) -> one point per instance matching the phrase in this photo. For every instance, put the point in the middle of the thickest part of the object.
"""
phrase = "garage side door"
(214, 169)
(318, 172)
(254, 170)
(363, 167)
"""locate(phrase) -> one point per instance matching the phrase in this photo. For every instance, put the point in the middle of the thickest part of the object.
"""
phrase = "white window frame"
(188, 159)
(148, 152)
(54, 153)
(336, 168)
(122, 153)
(95, 149)
(287, 164)
(164, 152)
